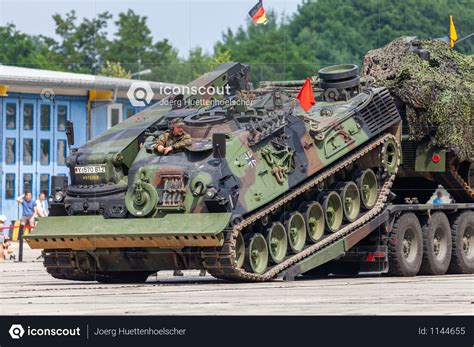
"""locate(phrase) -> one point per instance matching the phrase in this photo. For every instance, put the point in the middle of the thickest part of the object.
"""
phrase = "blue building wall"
(33, 145)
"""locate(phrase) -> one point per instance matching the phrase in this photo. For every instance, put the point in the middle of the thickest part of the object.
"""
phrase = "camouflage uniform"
(177, 142)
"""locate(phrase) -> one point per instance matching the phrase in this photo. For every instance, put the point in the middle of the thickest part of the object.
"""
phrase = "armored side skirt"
(93, 232)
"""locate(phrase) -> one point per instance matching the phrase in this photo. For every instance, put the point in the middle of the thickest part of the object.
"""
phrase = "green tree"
(82, 46)
(20, 49)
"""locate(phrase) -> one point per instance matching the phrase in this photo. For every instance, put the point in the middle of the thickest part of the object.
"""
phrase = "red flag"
(306, 96)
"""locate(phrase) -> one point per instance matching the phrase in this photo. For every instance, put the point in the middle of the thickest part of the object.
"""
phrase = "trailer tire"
(405, 246)
(462, 231)
(437, 245)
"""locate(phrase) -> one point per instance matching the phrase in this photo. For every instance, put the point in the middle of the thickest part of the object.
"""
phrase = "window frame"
(14, 150)
(114, 106)
(57, 115)
(48, 184)
(31, 180)
(6, 115)
(41, 117)
(14, 185)
(41, 152)
(32, 151)
(57, 152)
(32, 116)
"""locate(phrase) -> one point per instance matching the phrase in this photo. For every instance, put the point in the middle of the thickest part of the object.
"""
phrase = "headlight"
(58, 196)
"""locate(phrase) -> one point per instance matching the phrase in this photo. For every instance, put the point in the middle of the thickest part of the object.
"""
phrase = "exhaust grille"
(380, 113)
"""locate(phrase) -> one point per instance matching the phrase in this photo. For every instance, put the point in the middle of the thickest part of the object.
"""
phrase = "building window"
(45, 117)
(11, 116)
(62, 117)
(10, 151)
(44, 184)
(10, 186)
(28, 116)
(28, 151)
(28, 182)
(44, 154)
(62, 152)
(114, 115)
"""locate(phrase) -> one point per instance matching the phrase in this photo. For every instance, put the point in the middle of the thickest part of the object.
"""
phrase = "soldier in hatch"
(173, 139)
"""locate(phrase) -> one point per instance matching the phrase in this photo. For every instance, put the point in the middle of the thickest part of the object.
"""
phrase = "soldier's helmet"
(177, 122)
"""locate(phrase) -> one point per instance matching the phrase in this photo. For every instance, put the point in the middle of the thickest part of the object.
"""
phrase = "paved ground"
(27, 289)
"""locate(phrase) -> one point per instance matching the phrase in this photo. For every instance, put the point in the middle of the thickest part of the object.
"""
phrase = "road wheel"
(256, 254)
(350, 200)
(296, 229)
(462, 257)
(436, 245)
(333, 212)
(277, 241)
(239, 251)
(405, 246)
(314, 217)
(368, 188)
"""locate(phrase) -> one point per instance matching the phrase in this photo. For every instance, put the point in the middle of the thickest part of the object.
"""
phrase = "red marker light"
(435, 158)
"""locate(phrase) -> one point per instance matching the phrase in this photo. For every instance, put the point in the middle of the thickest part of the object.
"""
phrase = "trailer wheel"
(405, 246)
(436, 245)
(462, 257)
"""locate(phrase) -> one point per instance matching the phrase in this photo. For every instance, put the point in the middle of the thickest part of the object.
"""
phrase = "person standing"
(30, 210)
(42, 206)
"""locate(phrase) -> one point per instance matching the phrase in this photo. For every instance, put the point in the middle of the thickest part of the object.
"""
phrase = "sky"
(186, 23)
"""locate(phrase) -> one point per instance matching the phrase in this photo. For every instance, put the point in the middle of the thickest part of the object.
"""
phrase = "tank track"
(222, 263)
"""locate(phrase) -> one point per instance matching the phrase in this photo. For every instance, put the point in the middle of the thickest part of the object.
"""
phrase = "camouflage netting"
(437, 85)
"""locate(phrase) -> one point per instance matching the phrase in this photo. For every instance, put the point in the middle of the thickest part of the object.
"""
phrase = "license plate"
(90, 169)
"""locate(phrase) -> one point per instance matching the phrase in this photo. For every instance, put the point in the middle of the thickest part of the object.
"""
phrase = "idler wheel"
(333, 211)
(314, 217)
(390, 156)
(256, 255)
(296, 227)
(350, 200)
(277, 241)
(368, 188)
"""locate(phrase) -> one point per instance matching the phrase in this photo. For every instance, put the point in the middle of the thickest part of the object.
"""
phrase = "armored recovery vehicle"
(265, 190)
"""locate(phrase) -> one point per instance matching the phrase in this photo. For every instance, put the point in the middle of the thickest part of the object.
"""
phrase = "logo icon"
(140, 94)
(16, 331)
(47, 94)
(250, 159)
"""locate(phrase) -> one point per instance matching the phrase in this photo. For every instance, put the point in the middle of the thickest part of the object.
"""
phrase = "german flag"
(257, 13)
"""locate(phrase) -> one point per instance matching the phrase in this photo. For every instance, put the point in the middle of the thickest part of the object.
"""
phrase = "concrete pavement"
(26, 289)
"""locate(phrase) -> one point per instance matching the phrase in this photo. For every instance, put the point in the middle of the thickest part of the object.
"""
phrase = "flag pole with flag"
(306, 95)
(257, 13)
(453, 36)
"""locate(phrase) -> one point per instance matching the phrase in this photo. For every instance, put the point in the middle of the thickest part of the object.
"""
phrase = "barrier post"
(20, 240)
